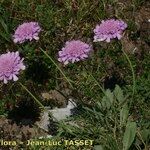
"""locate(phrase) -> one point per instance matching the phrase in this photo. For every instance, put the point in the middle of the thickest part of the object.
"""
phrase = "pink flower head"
(10, 65)
(109, 29)
(74, 51)
(26, 31)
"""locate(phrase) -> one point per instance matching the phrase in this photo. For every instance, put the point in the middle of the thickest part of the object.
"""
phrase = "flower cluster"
(74, 51)
(10, 65)
(26, 31)
(109, 29)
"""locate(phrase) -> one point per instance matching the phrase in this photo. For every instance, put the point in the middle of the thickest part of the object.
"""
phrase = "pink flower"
(74, 51)
(26, 31)
(10, 65)
(109, 29)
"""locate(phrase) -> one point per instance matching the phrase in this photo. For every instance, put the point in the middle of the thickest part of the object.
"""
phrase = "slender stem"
(132, 70)
(145, 147)
(40, 104)
(96, 81)
(57, 67)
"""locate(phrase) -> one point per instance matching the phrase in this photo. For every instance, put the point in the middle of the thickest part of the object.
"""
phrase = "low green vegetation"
(111, 88)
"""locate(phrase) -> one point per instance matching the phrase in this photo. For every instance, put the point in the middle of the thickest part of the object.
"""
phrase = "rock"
(55, 97)
(57, 113)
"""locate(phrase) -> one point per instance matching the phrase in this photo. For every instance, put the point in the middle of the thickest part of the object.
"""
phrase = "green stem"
(97, 83)
(101, 88)
(36, 100)
(57, 67)
(132, 70)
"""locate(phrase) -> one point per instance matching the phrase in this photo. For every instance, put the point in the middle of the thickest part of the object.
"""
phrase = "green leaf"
(98, 147)
(129, 135)
(4, 25)
(119, 94)
(5, 36)
(108, 99)
(104, 102)
(145, 134)
(4, 31)
(124, 112)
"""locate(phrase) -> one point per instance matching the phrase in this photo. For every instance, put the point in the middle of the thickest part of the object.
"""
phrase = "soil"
(10, 131)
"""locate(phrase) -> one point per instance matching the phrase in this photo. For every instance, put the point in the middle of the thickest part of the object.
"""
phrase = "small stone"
(57, 113)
